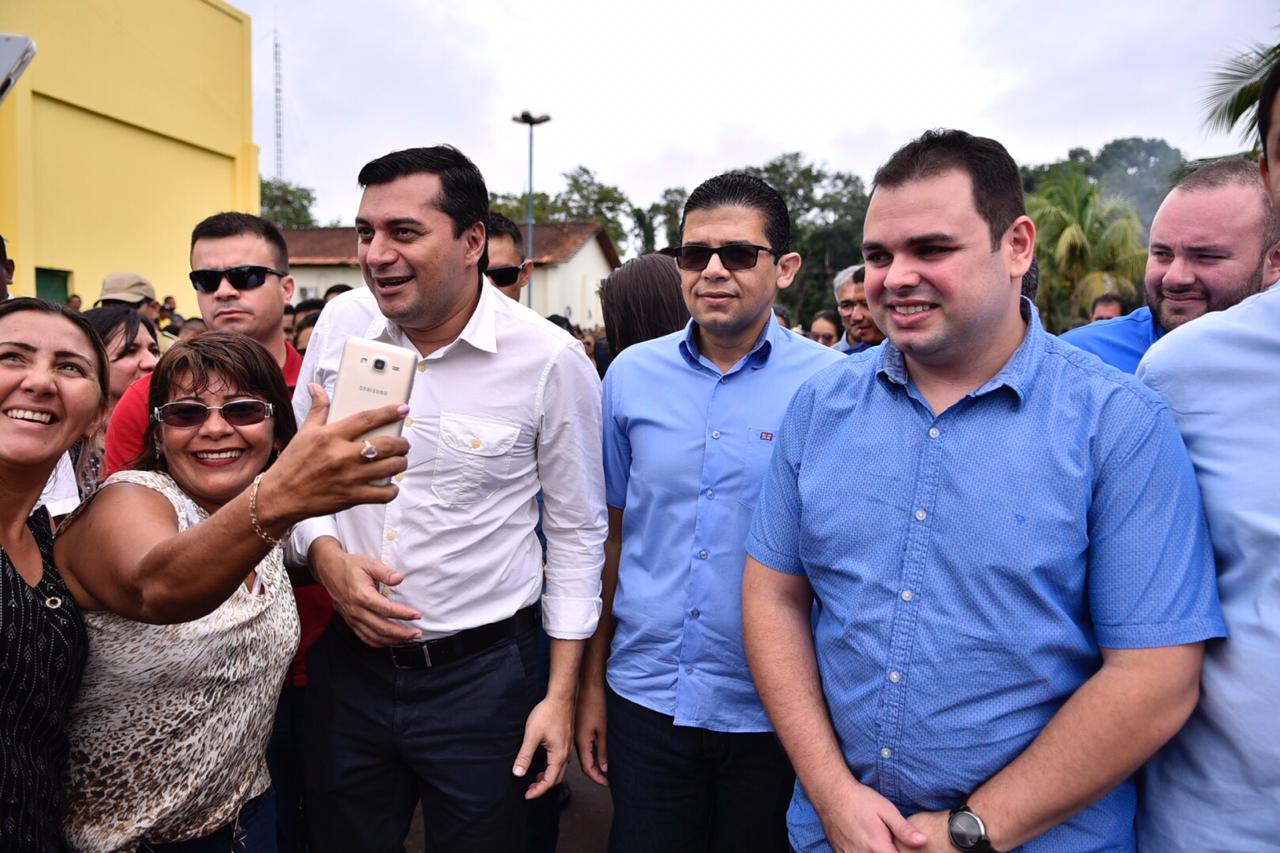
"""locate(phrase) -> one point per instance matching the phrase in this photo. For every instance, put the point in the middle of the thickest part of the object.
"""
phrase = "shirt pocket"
(757, 453)
(473, 457)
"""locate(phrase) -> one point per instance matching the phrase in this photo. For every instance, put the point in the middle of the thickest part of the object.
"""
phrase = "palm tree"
(1234, 91)
(1087, 245)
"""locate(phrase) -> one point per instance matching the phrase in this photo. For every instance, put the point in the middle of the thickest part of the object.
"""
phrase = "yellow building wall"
(134, 122)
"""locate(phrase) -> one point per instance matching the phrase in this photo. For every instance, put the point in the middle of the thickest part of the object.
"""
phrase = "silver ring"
(368, 451)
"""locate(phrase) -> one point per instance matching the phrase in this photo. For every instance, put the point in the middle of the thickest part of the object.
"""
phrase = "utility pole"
(530, 119)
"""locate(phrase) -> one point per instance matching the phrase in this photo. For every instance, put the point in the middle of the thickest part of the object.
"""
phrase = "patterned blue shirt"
(685, 449)
(1121, 341)
(965, 593)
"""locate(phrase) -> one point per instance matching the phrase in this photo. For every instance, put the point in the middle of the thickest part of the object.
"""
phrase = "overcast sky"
(663, 93)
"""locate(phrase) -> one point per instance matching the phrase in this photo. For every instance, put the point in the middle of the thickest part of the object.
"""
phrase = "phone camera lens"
(379, 364)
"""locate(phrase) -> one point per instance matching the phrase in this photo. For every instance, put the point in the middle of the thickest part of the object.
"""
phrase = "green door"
(51, 285)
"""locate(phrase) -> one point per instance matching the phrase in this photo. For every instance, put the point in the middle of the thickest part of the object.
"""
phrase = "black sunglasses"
(503, 276)
(241, 278)
(185, 415)
(735, 256)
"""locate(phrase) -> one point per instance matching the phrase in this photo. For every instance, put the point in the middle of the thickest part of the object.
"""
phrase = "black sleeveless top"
(43, 646)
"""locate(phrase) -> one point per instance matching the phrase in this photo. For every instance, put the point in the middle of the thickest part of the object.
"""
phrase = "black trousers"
(678, 789)
(380, 738)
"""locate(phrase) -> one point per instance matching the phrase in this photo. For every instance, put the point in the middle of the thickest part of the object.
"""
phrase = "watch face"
(965, 829)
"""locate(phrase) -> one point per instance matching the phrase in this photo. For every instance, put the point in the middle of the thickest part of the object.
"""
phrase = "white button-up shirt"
(510, 407)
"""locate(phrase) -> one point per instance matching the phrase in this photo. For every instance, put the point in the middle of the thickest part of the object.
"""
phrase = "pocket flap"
(477, 436)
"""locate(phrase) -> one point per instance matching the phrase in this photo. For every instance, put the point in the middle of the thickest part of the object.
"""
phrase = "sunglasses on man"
(186, 415)
(504, 276)
(733, 257)
(241, 278)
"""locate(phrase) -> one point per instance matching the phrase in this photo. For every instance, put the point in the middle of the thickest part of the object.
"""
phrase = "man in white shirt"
(428, 685)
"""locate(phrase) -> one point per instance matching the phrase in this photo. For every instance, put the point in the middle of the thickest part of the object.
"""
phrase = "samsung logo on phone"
(369, 390)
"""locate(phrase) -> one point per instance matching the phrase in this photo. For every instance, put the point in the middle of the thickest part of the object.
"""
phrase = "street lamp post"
(530, 119)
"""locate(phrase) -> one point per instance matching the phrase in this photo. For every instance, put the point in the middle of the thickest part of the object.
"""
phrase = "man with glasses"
(860, 331)
(668, 716)
(508, 269)
(240, 270)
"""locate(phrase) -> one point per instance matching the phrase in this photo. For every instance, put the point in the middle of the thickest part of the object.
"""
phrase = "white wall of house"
(312, 282)
(570, 288)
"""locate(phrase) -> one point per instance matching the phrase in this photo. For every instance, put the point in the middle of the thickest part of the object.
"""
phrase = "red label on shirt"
(766, 436)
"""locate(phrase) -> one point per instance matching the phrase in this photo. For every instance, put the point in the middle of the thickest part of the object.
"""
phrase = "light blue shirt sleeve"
(774, 539)
(617, 448)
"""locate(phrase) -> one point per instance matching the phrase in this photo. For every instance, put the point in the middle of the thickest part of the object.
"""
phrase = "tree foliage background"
(287, 205)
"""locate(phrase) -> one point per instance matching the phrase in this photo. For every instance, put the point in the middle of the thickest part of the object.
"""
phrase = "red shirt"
(126, 438)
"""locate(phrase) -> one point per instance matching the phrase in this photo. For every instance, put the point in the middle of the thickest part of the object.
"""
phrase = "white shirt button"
(711, 494)
(934, 432)
(907, 595)
(895, 676)
(921, 515)
(886, 752)
(716, 435)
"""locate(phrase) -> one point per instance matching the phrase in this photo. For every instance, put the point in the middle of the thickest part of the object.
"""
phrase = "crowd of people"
(924, 577)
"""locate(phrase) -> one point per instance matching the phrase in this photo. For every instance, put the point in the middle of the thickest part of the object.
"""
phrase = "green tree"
(1141, 171)
(287, 205)
(1087, 245)
(515, 206)
(666, 212)
(586, 198)
(1232, 100)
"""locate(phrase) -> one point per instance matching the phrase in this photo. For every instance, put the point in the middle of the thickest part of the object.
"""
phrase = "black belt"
(464, 643)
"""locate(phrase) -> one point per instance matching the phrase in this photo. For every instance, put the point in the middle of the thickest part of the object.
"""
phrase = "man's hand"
(934, 826)
(353, 583)
(590, 730)
(550, 725)
(865, 822)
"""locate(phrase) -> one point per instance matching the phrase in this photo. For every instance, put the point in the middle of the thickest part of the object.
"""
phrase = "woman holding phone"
(53, 392)
(190, 614)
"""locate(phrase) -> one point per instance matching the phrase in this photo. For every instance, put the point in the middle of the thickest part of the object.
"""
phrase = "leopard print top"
(169, 731)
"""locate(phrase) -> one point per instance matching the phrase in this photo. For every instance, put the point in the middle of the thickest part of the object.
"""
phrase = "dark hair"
(1031, 280)
(641, 300)
(309, 305)
(502, 226)
(742, 190)
(236, 359)
(463, 196)
(109, 319)
(4, 251)
(336, 289)
(997, 184)
(831, 316)
(27, 303)
(1234, 172)
(307, 322)
(563, 322)
(1107, 299)
(1267, 98)
(784, 313)
(289, 309)
(233, 223)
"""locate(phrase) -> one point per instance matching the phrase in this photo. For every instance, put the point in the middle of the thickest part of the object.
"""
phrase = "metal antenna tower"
(279, 108)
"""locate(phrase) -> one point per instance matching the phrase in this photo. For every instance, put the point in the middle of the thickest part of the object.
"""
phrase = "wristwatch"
(967, 831)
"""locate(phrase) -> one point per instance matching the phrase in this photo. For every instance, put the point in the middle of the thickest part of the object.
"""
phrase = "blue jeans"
(253, 831)
(686, 790)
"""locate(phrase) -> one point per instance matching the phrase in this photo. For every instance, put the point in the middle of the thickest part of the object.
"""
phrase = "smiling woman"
(52, 393)
(191, 615)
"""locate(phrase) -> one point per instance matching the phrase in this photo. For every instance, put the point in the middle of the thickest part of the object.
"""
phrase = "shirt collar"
(480, 332)
(756, 358)
(1018, 373)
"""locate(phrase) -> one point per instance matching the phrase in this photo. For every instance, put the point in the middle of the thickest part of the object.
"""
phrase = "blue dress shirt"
(1216, 786)
(685, 449)
(1121, 341)
(965, 593)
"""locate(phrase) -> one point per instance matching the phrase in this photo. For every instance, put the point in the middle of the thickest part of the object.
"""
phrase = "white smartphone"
(16, 53)
(372, 374)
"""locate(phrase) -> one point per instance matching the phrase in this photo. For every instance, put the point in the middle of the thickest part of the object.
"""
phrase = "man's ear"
(287, 285)
(1271, 266)
(788, 267)
(473, 241)
(1019, 246)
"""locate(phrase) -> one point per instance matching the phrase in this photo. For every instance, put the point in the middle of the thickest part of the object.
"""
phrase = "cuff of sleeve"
(787, 564)
(306, 532)
(1161, 634)
(570, 618)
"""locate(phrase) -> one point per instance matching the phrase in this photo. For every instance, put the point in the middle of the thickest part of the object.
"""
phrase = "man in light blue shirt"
(1207, 252)
(1012, 620)
(690, 420)
(1216, 786)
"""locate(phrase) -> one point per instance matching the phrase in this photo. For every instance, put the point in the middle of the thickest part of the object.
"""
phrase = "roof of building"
(555, 243)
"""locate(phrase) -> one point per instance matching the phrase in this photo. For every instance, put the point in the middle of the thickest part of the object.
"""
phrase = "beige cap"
(127, 287)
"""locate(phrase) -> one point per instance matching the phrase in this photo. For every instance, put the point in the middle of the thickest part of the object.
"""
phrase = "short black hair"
(233, 223)
(1107, 299)
(288, 308)
(306, 305)
(502, 226)
(1031, 280)
(783, 312)
(336, 289)
(997, 184)
(122, 317)
(743, 190)
(463, 195)
(1267, 98)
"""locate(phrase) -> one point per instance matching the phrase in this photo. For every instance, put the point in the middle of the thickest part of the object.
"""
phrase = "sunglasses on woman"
(185, 415)
(735, 256)
(241, 278)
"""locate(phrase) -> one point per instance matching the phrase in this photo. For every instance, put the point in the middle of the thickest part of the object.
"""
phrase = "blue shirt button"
(711, 494)
(724, 379)
(702, 555)
(695, 613)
